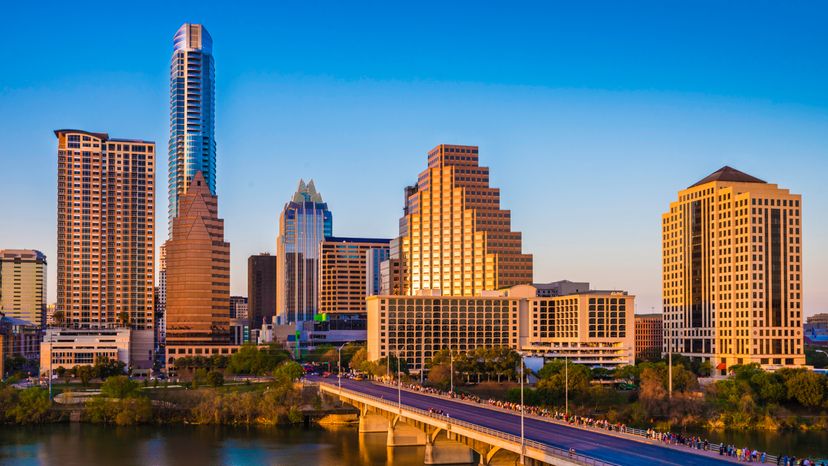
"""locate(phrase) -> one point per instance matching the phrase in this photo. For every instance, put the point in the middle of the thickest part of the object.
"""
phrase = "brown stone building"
(454, 235)
(649, 336)
(198, 272)
(106, 226)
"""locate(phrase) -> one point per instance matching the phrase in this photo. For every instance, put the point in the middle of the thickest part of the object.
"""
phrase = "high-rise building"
(455, 237)
(374, 258)
(198, 272)
(192, 113)
(304, 223)
(649, 336)
(732, 272)
(343, 264)
(238, 307)
(23, 285)
(106, 230)
(261, 289)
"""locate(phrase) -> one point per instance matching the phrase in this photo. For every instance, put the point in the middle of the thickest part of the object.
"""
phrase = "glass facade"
(192, 112)
(304, 223)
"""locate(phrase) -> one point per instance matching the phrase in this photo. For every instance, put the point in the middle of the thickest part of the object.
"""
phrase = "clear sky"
(591, 115)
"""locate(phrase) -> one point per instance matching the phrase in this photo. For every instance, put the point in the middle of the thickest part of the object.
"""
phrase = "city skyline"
(630, 182)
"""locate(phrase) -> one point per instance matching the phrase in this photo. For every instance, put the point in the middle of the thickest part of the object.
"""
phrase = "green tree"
(84, 373)
(31, 407)
(215, 378)
(806, 387)
(119, 386)
(359, 358)
(440, 376)
(288, 371)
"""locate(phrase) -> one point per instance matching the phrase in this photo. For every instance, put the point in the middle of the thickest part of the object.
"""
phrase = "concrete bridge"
(447, 440)
(472, 431)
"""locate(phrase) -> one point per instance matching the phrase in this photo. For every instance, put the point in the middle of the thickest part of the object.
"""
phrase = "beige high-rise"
(732, 272)
(23, 285)
(455, 237)
(198, 272)
(106, 230)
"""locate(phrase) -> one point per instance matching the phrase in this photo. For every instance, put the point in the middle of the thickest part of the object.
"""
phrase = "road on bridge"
(622, 451)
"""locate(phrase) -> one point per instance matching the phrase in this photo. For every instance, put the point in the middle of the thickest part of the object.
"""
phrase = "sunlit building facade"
(649, 336)
(198, 272)
(454, 235)
(192, 113)
(106, 228)
(23, 285)
(593, 327)
(732, 276)
(343, 265)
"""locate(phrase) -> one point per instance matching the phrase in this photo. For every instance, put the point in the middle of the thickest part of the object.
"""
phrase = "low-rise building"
(591, 327)
(82, 347)
(649, 336)
(20, 338)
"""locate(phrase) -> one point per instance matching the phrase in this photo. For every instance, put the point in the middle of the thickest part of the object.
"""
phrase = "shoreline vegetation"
(749, 400)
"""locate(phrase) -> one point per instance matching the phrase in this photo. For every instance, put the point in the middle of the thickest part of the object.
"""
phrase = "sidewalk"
(628, 436)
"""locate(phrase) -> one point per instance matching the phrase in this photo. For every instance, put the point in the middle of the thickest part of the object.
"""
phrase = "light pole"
(522, 436)
(670, 369)
(399, 384)
(451, 371)
(566, 384)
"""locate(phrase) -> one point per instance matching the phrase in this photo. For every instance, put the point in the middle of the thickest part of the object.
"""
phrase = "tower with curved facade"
(192, 113)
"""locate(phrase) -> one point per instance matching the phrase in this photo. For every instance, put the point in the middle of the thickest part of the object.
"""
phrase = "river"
(95, 445)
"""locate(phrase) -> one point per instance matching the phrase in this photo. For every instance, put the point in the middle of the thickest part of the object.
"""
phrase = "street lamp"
(522, 433)
(339, 365)
(566, 384)
(451, 371)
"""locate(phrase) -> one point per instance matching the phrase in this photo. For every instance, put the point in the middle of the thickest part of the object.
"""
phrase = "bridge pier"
(443, 448)
(372, 423)
(402, 434)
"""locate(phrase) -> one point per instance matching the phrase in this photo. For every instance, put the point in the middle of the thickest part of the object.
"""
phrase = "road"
(609, 448)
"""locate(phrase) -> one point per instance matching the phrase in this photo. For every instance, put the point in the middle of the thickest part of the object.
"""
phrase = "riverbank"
(123, 402)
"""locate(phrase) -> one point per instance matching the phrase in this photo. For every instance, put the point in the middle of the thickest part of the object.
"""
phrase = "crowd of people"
(745, 454)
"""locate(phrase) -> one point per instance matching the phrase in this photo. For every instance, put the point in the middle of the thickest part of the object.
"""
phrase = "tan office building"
(732, 276)
(649, 336)
(106, 230)
(342, 274)
(594, 328)
(23, 285)
(455, 237)
(198, 272)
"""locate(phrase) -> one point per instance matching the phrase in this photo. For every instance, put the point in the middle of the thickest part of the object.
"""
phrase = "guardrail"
(549, 449)
(711, 447)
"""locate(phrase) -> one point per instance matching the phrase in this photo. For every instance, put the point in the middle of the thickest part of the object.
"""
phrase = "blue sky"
(591, 115)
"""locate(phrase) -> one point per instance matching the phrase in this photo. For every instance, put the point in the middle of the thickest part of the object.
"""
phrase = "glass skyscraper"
(304, 223)
(192, 112)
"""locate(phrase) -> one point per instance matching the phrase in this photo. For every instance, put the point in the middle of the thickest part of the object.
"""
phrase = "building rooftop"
(727, 173)
(343, 239)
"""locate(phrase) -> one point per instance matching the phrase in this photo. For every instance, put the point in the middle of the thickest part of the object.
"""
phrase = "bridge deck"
(609, 448)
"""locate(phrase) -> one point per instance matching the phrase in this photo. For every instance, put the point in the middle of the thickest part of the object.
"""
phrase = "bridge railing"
(548, 449)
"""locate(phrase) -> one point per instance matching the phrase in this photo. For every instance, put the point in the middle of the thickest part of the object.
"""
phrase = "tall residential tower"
(454, 236)
(106, 227)
(732, 272)
(192, 113)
